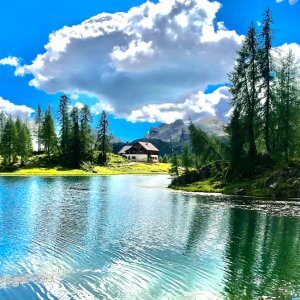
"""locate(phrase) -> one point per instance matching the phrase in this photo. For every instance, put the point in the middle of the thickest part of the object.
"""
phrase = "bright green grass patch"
(205, 186)
(111, 169)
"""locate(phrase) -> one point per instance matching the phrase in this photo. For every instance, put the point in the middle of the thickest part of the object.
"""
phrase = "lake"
(129, 237)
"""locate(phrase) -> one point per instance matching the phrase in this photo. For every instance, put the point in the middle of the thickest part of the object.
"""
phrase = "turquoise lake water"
(129, 237)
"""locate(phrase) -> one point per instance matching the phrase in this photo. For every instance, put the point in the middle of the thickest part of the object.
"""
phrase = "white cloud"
(196, 106)
(14, 110)
(152, 53)
(285, 48)
(10, 61)
(291, 2)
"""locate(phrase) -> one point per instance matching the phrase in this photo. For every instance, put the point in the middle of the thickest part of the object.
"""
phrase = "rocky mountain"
(178, 132)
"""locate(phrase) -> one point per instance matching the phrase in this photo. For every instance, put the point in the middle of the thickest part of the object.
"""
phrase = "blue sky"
(25, 28)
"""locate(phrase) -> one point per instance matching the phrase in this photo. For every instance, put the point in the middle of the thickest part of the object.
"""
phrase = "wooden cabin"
(141, 152)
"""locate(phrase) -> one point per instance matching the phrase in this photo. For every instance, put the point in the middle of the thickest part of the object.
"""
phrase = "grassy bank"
(116, 166)
(274, 183)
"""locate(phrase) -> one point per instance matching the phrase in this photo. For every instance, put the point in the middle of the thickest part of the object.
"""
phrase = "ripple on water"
(113, 238)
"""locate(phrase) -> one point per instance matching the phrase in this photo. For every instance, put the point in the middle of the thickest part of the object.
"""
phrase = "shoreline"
(114, 169)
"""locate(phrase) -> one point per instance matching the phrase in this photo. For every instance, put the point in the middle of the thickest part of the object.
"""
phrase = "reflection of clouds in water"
(117, 237)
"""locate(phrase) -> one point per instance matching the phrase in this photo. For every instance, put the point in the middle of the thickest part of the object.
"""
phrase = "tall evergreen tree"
(236, 140)
(39, 123)
(48, 134)
(85, 133)
(64, 120)
(9, 141)
(75, 138)
(287, 106)
(23, 141)
(103, 142)
(267, 69)
(186, 158)
(2, 123)
(175, 165)
(244, 79)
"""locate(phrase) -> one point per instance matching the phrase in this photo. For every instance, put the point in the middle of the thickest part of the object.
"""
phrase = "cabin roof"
(148, 146)
(124, 149)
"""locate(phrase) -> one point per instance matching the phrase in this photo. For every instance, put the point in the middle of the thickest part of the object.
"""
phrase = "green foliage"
(206, 148)
(86, 140)
(23, 141)
(186, 158)
(65, 128)
(174, 165)
(39, 122)
(48, 134)
(15, 141)
(103, 139)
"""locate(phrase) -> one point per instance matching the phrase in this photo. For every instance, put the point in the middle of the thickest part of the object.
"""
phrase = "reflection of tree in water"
(262, 255)
(198, 227)
(63, 213)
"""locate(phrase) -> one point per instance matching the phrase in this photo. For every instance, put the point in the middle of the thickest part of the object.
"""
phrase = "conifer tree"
(287, 104)
(85, 133)
(186, 158)
(48, 134)
(175, 165)
(236, 141)
(23, 141)
(75, 138)
(103, 142)
(39, 123)
(64, 120)
(244, 79)
(9, 140)
(267, 69)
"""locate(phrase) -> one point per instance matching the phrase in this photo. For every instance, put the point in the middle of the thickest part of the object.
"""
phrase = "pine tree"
(175, 165)
(48, 134)
(244, 79)
(9, 140)
(64, 120)
(103, 141)
(267, 69)
(75, 138)
(23, 141)
(85, 133)
(39, 123)
(186, 158)
(287, 106)
(2, 124)
(236, 140)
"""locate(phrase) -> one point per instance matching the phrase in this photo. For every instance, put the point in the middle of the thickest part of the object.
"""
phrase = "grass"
(116, 166)
(285, 185)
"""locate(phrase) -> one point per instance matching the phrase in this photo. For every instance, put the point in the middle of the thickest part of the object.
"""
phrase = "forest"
(76, 143)
(264, 128)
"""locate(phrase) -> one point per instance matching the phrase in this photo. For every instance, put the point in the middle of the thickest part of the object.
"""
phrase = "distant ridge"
(177, 132)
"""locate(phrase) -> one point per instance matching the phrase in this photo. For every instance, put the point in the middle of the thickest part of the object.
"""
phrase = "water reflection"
(128, 237)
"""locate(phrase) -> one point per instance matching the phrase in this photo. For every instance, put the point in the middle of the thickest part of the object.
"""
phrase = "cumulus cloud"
(157, 51)
(10, 61)
(195, 107)
(11, 109)
(285, 48)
